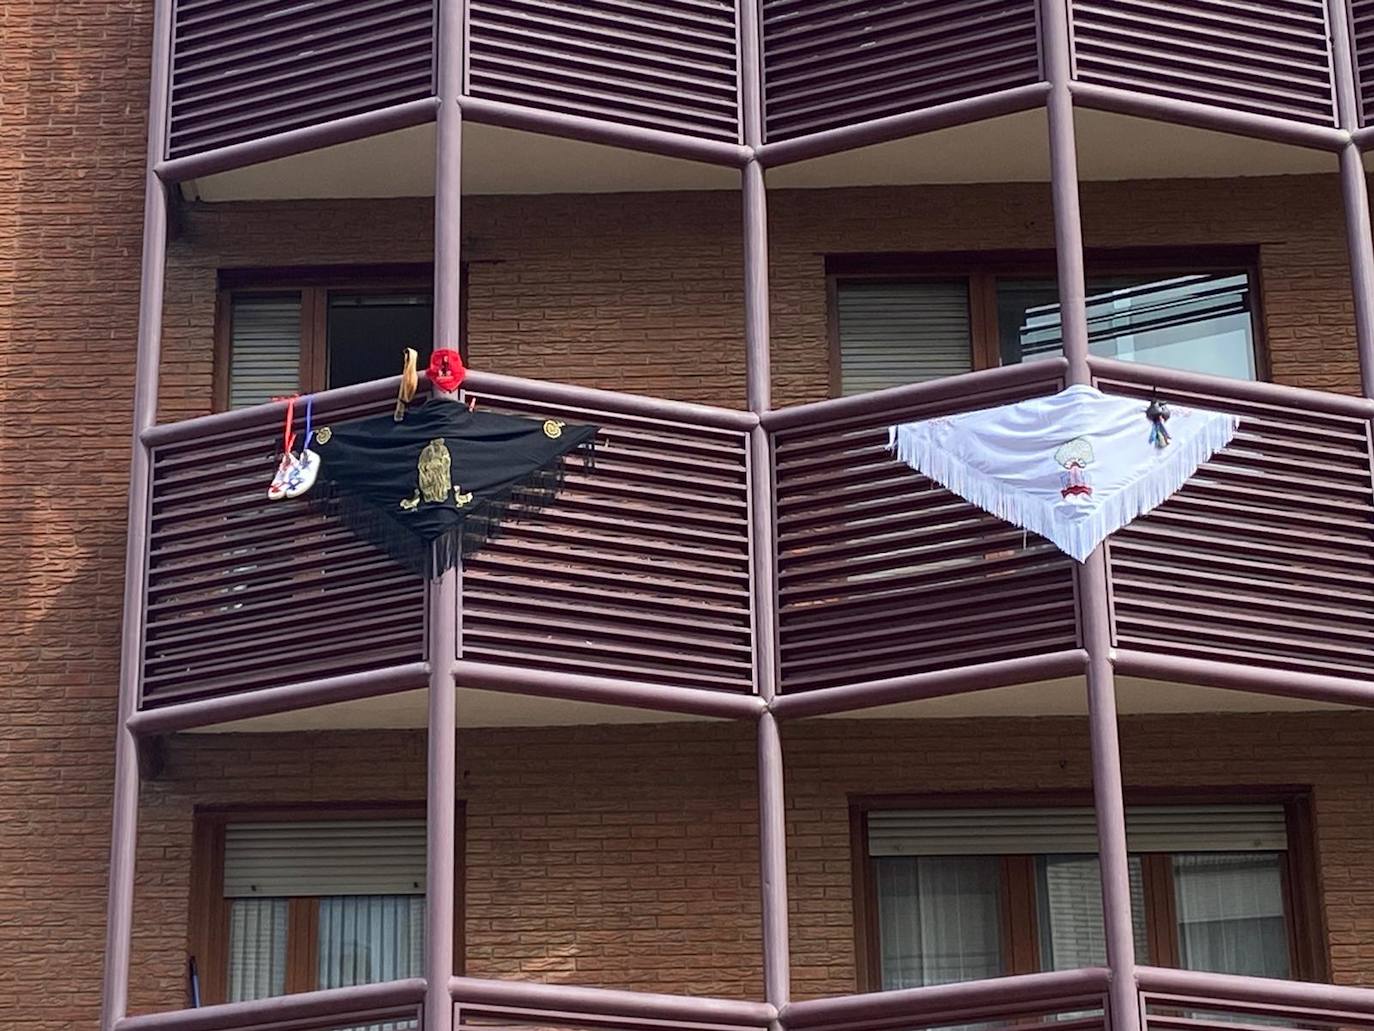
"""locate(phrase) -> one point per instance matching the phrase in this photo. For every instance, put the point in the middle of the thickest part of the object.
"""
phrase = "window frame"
(313, 284)
(207, 937)
(1304, 914)
(982, 269)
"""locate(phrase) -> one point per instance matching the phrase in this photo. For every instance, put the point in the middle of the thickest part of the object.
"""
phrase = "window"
(310, 330)
(904, 320)
(959, 894)
(291, 902)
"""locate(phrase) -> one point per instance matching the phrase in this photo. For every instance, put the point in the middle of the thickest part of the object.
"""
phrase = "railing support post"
(1354, 191)
(114, 995)
(1068, 226)
(777, 967)
(443, 595)
(1094, 612)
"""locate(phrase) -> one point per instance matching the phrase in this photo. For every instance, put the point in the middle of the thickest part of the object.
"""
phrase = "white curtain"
(1069, 910)
(1230, 913)
(257, 948)
(369, 938)
(939, 919)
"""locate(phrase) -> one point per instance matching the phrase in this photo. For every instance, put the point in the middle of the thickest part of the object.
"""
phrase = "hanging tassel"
(1158, 414)
(410, 380)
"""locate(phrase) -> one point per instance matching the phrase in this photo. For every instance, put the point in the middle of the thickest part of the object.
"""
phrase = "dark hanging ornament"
(1158, 414)
(438, 484)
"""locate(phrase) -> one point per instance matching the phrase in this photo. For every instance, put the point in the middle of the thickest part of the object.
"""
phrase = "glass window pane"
(369, 332)
(257, 948)
(1069, 912)
(939, 919)
(1230, 913)
(893, 333)
(1198, 321)
(369, 938)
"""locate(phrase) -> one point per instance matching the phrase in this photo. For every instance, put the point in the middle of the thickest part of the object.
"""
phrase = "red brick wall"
(73, 92)
(627, 856)
(641, 292)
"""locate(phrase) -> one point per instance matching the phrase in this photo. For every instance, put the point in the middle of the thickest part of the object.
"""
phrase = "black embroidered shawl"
(438, 483)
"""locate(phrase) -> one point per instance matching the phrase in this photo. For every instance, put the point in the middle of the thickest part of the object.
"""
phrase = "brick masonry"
(640, 292)
(627, 856)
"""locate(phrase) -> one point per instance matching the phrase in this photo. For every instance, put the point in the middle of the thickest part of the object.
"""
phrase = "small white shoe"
(277, 490)
(302, 475)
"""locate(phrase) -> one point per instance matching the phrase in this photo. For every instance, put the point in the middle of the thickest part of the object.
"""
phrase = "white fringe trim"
(1078, 536)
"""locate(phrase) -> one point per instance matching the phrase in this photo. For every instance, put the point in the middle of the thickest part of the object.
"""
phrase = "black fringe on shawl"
(480, 523)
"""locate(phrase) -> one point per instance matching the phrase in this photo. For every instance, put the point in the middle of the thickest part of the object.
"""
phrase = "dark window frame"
(1303, 910)
(982, 269)
(207, 937)
(314, 284)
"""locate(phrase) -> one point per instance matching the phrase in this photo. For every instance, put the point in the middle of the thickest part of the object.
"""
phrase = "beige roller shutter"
(324, 857)
(1040, 831)
(264, 349)
(893, 333)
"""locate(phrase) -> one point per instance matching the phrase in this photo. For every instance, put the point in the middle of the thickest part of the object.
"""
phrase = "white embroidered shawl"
(1073, 468)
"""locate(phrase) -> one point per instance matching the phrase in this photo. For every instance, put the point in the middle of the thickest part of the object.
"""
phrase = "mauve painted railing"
(254, 79)
(1072, 999)
(1266, 557)
(1362, 45)
(1268, 57)
(640, 571)
(484, 1003)
(392, 1004)
(1183, 1000)
(244, 593)
(669, 65)
(246, 69)
(882, 573)
(828, 66)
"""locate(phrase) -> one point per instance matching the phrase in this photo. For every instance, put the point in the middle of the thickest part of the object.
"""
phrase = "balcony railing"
(674, 74)
(1266, 556)
(1180, 1000)
(391, 1006)
(880, 571)
(641, 573)
(244, 593)
(1170, 1000)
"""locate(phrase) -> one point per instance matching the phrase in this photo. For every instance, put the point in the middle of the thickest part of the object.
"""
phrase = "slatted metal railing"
(1268, 57)
(1362, 48)
(832, 65)
(661, 64)
(385, 1006)
(640, 570)
(245, 69)
(1181, 1000)
(246, 593)
(883, 573)
(1266, 556)
(1065, 999)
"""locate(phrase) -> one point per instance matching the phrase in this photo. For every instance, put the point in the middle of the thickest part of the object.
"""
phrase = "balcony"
(1169, 1000)
(241, 84)
(629, 576)
(641, 572)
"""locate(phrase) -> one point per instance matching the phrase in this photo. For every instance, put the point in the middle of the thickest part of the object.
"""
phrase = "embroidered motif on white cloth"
(1073, 468)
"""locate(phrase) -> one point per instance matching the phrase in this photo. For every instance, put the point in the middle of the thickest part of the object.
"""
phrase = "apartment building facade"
(753, 726)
